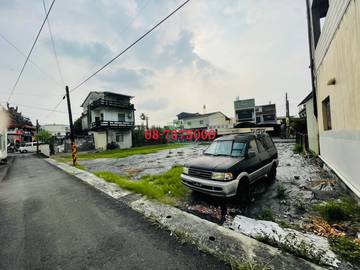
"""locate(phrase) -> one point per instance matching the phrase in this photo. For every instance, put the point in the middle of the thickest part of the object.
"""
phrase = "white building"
(307, 110)
(334, 35)
(109, 117)
(214, 120)
(57, 130)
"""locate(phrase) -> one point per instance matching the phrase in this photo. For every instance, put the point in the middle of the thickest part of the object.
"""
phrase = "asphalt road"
(51, 220)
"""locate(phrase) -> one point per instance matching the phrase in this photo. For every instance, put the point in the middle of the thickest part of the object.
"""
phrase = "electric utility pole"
(72, 133)
(287, 116)
(37, 136)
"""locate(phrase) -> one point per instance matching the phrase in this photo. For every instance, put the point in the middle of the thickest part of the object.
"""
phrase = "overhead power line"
(54, 109)
(37, 108)
(32, 48)
(32, 62)
(53, 46)
(130, 46)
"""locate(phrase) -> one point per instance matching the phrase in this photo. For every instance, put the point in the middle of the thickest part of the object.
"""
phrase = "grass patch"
(266, 214)
(120, 153)
(298, 149)
(339, 210)
(346, 249)
(165, 187)
(80, 167)
(250, 265)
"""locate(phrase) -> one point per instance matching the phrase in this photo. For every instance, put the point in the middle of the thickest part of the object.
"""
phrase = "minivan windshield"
(226, 148)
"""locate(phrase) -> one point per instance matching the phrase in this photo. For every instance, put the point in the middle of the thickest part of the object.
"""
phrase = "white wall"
(127, 138)
(99, 139)
(111, 114)
(341, 151)
(312, 127)
(340, 146)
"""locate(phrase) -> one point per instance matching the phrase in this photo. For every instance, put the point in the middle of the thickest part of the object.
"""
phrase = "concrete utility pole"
(37, 136)
(72, 132)
(287, 116)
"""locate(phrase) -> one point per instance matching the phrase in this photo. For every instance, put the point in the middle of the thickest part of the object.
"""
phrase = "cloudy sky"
(208, 53)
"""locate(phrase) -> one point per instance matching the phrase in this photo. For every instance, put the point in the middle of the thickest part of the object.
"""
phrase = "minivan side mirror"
(251, 154)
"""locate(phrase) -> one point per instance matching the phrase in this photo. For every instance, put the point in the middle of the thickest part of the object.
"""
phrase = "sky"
(208, 53)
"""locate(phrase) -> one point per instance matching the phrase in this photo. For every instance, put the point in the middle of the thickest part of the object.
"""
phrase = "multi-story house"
(334, 39)
(214, 120)
(247, 113)
(109, 117)
(265, 114)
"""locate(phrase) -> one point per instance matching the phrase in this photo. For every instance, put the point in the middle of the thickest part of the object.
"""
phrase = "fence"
(83, 143)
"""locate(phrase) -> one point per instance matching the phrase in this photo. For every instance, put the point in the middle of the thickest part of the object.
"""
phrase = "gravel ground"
(302, 180)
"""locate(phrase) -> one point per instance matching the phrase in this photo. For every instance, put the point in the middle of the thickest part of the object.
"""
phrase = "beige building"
(334, 32)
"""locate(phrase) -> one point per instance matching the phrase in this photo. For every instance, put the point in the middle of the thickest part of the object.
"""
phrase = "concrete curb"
(209, 237)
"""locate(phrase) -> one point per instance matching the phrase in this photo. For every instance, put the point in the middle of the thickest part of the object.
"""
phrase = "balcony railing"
(111, 124)
(111, 103)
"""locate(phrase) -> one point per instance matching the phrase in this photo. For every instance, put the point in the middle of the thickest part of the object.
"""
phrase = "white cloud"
(234, 48)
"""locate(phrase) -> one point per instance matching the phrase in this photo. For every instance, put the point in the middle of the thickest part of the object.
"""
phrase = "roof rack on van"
(253, 130)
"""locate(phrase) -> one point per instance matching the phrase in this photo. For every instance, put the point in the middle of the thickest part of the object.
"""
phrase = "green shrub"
(266, 214)
(339, 210)
(346, 249)
(298, 149)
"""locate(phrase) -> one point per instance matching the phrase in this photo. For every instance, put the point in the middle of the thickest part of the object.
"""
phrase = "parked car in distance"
(29, 147)
(231, 164)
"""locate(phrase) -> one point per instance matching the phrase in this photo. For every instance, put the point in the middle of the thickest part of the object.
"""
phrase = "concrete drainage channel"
(230, 246)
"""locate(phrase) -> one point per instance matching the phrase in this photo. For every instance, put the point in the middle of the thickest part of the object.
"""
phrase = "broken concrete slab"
(308, 245)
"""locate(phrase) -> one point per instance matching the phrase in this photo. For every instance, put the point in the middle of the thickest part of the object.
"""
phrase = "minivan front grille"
(200, 173)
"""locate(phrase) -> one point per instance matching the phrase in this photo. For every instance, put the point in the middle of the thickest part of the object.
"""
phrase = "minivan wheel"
(243, 191)
(272, 174)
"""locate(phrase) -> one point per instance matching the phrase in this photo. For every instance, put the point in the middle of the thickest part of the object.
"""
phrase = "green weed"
(120, 153)
(266, 214)
(165, 187)
(339, 210)
(298, 149)
(346, 249)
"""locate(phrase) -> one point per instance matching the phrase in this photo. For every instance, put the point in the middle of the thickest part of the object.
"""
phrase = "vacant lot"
(304, 196)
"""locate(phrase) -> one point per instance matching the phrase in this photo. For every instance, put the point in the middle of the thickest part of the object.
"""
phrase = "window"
(238, 149)
(102, 116)
(226, 148)
(326, 113)
(260, 146)
(258, 119)
(269, 117)
(119, 137)
(253, 146)
(201, 122)
(97, 119)
(121, 117)
(266, 142)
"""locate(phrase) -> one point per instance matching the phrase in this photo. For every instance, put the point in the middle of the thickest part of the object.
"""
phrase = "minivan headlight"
(222, 176)
(185, 170)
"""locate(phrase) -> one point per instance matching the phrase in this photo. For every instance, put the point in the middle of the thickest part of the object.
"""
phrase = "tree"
(43, 136)
(78, 126)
